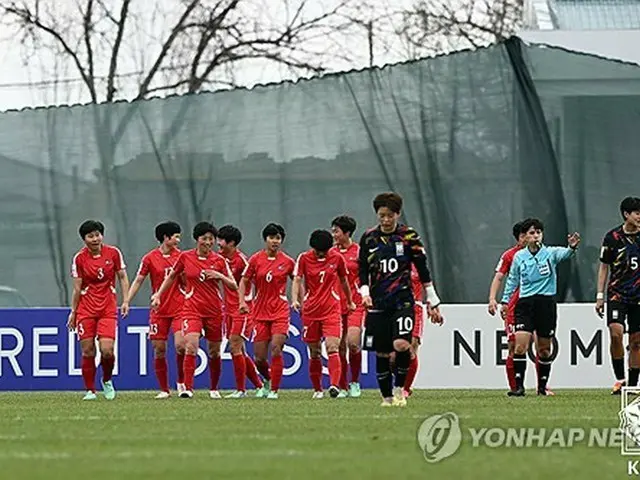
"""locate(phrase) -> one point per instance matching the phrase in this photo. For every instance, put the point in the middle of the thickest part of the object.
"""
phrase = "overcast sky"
(29, 86)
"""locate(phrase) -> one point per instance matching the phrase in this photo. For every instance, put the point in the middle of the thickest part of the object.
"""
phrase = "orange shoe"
(617, 387)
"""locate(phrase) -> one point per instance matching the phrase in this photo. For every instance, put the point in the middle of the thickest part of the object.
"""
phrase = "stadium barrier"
(38, 353)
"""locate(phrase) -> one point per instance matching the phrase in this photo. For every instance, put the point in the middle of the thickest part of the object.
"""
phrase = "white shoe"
(398, 397)
(180, 387)
(162, 395)
(186, 394)
(237, 394)
(214, 394)
(317, 395)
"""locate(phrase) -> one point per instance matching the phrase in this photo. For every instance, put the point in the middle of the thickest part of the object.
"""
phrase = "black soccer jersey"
(385, 266)
(621, 251)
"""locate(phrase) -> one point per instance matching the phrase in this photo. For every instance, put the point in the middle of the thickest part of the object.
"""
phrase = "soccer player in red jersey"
(343, 228)
(204, 270)
(321, 267)
(157, 265)
(420, 312)
(238, 326)
(502, 270)
(268, 270)
(94, 309)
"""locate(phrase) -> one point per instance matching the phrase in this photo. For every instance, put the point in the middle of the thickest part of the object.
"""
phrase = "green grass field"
(57, 436)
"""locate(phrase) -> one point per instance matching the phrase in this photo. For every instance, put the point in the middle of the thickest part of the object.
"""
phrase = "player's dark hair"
(203, 228)
(229, 233)
(629, 204)
(321, 240)
(89, 226)
(391, 200)
(531, 222)
(517, 230)
(273, 229)
(345, 223)
(167, 229)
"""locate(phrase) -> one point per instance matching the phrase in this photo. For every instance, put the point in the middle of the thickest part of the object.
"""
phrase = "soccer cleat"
(518, 392)
(334, 391)
(214, 394)
(542, 392)
(89, 395)
(549, 392)
(108, 390)
(317, 395)
(180, 387)
(272, 395)
(343, 394)
(163, 395)
(398, 397)
(407, 393)
(617, 387)
(237, 394)
(262, 392)
(186, 394)
(354, 390)
(387, 402)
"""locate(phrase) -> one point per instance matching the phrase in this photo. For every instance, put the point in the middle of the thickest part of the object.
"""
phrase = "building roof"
(582, 15)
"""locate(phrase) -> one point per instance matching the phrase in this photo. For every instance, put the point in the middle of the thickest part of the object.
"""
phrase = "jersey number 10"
(389, 265)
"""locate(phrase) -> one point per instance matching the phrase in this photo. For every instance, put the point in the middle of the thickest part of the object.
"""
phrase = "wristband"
(364, 290)
(600, 296)
(432, 296)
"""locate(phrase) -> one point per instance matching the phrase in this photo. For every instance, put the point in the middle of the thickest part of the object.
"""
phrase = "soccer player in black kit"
(620, 262)
(386, 254)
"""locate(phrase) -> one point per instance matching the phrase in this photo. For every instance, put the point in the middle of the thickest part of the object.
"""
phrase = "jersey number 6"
(269, 276)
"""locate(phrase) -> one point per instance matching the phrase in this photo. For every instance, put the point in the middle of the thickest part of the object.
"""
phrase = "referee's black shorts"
(382, 327)
(538, 313)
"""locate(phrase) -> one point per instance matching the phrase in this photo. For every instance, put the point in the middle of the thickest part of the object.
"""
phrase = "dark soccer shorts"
(539, 314)
(382, 327)
(624, 312)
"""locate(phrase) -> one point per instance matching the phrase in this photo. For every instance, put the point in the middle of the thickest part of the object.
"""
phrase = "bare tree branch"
(113, 64)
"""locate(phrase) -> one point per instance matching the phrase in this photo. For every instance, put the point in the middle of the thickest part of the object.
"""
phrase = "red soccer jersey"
(98, 274)
(203, 298)
(320, 279)
(237, 263)
(158, 266)
(503, 267)
(351, 258)
(269, 275)
(416, 285)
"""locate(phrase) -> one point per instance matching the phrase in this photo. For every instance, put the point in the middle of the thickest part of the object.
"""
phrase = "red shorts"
(354, 319)
(159, 326)
(240, 325)
(419, 311)
(212, 327)
(315, 330)
(510, 325)
(265, 329)
(92, 327)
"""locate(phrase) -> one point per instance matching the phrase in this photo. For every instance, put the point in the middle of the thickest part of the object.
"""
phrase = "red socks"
(252, 372)
(215, 368)
(189, 371)
(277, 366)
(107, 364)
(355, 363)
(315, 373)
(240, 371)
(335, 369)
(411, 373)
(161, 373)
(511, 373)
(180, 366)
(344, 384)
(89, 373)
(263, 368)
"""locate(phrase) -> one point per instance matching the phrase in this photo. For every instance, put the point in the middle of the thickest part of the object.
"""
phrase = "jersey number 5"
(405, 325)
(634, 263)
